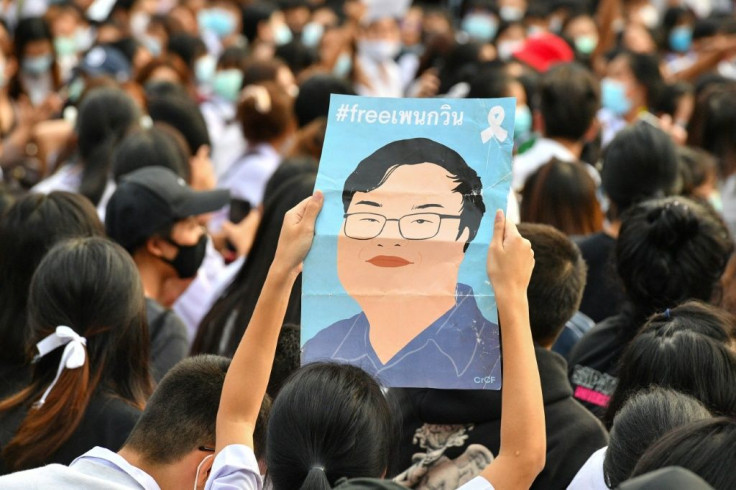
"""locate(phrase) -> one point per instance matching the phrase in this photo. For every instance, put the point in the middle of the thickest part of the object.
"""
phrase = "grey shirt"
(169, 341)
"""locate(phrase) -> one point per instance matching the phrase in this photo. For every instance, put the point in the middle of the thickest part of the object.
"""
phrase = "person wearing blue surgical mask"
(512, 10)
(480, 26)
(583, 32)
(677, 26)
(217, 21)
(633, 84)
(38, 77)
(224, 81)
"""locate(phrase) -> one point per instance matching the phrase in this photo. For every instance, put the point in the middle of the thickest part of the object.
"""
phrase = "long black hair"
(646, 416)
(105, 117)
(223, 326)
(329, 421)
(688, 349)
(668, 251)
(92, 286)
(34, 224)
(707, 448)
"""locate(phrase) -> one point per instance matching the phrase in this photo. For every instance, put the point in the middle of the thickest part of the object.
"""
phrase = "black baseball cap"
(151, 199)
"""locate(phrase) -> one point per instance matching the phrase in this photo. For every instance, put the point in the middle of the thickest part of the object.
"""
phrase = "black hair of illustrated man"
(376, 168)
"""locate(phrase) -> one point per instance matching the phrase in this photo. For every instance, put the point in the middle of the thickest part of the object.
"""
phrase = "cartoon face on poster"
(395, 282)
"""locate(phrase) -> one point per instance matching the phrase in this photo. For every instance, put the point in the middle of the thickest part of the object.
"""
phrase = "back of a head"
(671, 250)
(91, 286)
(569, 98)
(184, 115)
(149, 148)
(105, 117)
(490, 82)
(717, 121)
(180, 415)
(646, 416)
(687, 349)
(557, 282)
(645, 68)
(329, 421)
(32, 226)
(265, 112)
(253, 14)
(639, 164)
(313, 100)
(562, 194)
(707, 448)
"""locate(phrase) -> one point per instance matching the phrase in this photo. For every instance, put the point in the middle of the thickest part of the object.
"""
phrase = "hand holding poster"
(396, 281)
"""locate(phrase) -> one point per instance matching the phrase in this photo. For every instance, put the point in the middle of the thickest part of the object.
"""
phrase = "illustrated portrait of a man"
(411, 209)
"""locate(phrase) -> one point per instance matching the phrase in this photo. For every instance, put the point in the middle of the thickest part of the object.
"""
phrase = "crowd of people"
(157, 199)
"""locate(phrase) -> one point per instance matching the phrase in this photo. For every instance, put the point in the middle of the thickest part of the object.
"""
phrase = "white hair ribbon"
(261, 96)
(73, 356)
(495, 118)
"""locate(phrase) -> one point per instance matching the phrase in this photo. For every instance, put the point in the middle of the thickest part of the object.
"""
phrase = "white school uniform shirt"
(236, 468)
(539, 154)
(590, 475)
(246, 179)
(226, 136)
(68, 179)
(95, 469)
(385, 78)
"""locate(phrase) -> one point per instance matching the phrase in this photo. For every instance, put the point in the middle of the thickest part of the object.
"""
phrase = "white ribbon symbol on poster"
(494, 130)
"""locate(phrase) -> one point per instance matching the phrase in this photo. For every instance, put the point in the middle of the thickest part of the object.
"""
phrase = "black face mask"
(189, 258)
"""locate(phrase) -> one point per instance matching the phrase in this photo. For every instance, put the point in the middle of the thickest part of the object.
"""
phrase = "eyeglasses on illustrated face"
(419, 226)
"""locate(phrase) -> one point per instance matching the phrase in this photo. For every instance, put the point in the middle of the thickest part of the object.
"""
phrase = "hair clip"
(261, 96)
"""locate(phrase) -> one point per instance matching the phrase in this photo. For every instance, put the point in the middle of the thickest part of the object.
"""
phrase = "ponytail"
(316, 479)
(97, 163)
(46, 427)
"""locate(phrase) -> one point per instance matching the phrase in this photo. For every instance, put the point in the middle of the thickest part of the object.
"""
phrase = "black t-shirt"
(593, 361)
(449, 436)
(107, 422)
(169, 340)
(604, 294)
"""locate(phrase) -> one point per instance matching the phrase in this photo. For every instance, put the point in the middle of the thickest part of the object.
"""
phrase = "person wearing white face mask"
(512, 10)
(169, 448)
(378, 45)
(509, 39)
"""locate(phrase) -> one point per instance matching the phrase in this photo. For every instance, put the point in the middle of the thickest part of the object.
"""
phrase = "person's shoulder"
(235, 467)
(594, 242)
(163, 320)
(107, 422)
(55, 476)
(595, 338)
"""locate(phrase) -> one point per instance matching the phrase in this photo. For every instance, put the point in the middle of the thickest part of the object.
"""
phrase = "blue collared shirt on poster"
(460, 350)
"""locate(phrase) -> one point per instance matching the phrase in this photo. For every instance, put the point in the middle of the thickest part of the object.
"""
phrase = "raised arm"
(523, 437)
(247, 378)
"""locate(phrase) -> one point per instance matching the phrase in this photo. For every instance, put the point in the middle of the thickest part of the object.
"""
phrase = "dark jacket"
(448, 437)
(604, 294)
(593, 367)
(107, 422)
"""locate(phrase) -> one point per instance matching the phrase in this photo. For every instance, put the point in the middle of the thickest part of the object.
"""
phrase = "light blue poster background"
(480, 130)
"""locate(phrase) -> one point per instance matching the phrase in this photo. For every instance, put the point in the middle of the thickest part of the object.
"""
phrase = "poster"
(396, 282)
